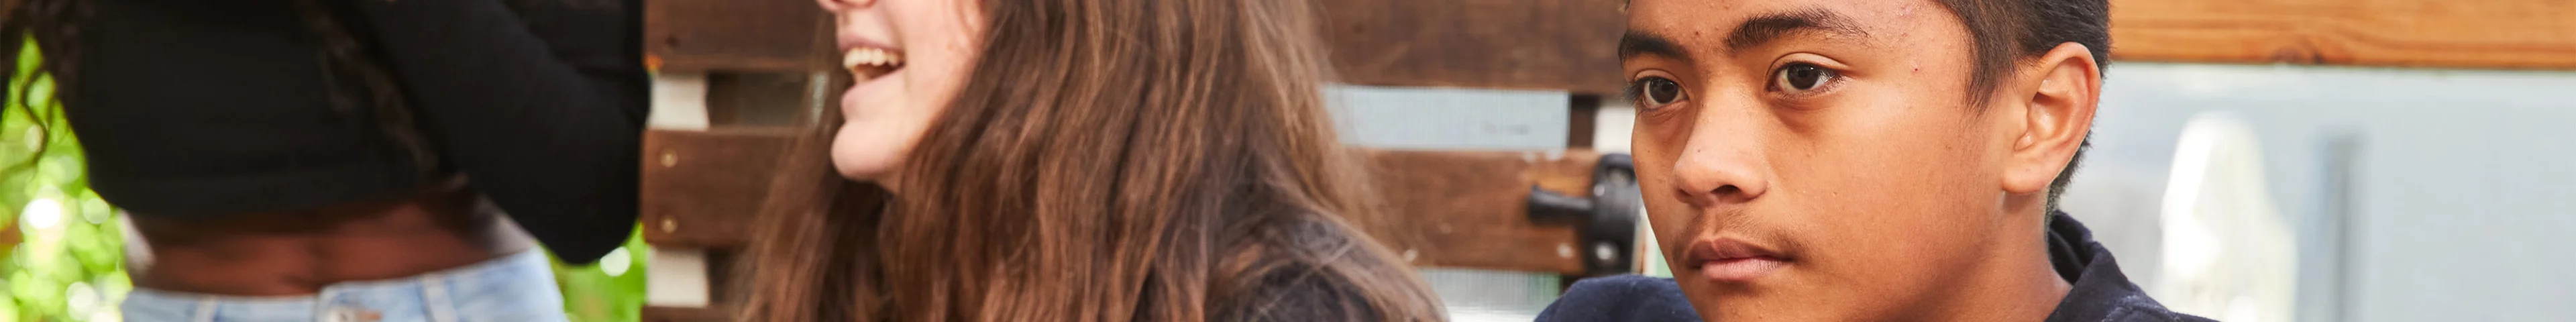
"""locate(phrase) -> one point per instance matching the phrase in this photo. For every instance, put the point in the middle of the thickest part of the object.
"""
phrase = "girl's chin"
(859, 172)
(881, 179)
(864, 166)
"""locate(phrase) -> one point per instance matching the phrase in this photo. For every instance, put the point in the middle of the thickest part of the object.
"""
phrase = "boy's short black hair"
(2007, 31)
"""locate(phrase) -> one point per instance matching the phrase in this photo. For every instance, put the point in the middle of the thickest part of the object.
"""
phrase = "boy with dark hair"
(1850, 160)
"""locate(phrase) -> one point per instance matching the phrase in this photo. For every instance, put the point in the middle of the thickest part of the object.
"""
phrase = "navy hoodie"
(2100, 293)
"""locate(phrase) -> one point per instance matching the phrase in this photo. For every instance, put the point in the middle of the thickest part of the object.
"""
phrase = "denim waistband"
(517, 287)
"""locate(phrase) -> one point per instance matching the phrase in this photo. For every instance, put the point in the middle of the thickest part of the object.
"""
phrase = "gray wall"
(2462, 188)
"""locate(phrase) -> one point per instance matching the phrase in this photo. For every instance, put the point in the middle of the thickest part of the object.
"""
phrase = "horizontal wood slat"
(1442, 208)
(1567, 44)
(739, 35)
(1515, 44)
(702, 187)
(2513, 34)
(1450, 209)
(1471, 209)
(687, 314)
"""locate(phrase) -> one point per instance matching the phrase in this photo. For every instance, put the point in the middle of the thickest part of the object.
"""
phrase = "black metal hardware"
(1606, 223)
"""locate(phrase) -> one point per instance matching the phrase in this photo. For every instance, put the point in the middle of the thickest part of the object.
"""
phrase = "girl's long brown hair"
(1164, 160)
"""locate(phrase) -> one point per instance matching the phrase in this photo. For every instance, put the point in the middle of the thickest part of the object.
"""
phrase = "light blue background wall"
(2463, 191)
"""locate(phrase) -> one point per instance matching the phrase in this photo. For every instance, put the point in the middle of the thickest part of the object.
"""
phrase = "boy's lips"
(1734, 261)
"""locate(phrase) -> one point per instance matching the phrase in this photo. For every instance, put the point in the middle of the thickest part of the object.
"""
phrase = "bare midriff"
(298, 253)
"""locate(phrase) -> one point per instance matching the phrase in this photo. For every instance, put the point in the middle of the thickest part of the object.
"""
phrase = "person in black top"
(1813, 160)
(353, 154)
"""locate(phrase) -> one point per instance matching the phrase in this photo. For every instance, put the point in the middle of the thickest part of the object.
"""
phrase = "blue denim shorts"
(511, 288)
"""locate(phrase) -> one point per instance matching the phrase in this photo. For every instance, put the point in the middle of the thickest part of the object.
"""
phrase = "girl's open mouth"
(868, 63)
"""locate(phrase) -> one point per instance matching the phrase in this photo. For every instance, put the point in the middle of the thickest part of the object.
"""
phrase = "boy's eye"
(1801, 77)
(1659, 91)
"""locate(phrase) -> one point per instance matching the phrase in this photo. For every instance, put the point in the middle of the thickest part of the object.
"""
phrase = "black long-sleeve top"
(199, 108)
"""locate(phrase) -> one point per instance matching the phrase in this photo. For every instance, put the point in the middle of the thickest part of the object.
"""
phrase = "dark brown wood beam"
(687, 314)
(1441, 208)
(700, 188)
(1471, 209)
(1446, 208)
(739, 35)
(1515, 44)
(1568, 44)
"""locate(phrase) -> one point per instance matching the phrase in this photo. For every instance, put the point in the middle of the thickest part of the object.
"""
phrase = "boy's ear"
(2057, 114)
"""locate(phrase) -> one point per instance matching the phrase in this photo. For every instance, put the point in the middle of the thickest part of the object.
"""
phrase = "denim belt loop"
(433, 293)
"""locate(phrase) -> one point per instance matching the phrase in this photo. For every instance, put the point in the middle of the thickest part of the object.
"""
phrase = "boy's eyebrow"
(1635, 43)
(1751, 33)
(1769, 27)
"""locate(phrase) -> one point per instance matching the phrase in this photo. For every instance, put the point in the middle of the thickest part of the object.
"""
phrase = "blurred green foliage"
(611, 289)
(62, 254)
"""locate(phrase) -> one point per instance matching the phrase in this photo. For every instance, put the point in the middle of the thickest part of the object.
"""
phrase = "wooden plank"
(1568, 44)
(1443, 208)
(701, 187)
(1521, 44)
(2518, 34)
(1470, 209)
(1446, 208)
(744, 35)
(720, 277)
(1583, 121)
(772, 99)
(1517, 44)
(686, 314)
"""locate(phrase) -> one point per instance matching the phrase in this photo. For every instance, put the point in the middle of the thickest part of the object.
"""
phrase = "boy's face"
(1816, 159)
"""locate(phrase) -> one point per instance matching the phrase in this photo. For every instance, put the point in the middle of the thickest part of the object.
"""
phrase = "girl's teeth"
(870, 57)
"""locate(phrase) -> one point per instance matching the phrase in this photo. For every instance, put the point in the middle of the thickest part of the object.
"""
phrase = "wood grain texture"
(2509, 34)
(1514, 44)
(1446, 208)
(700, 188)
(1471, 209)
(721, 293)
(778, 99)
(1442, 208)
(686, 314)
(740, 35)
(1568, 44)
